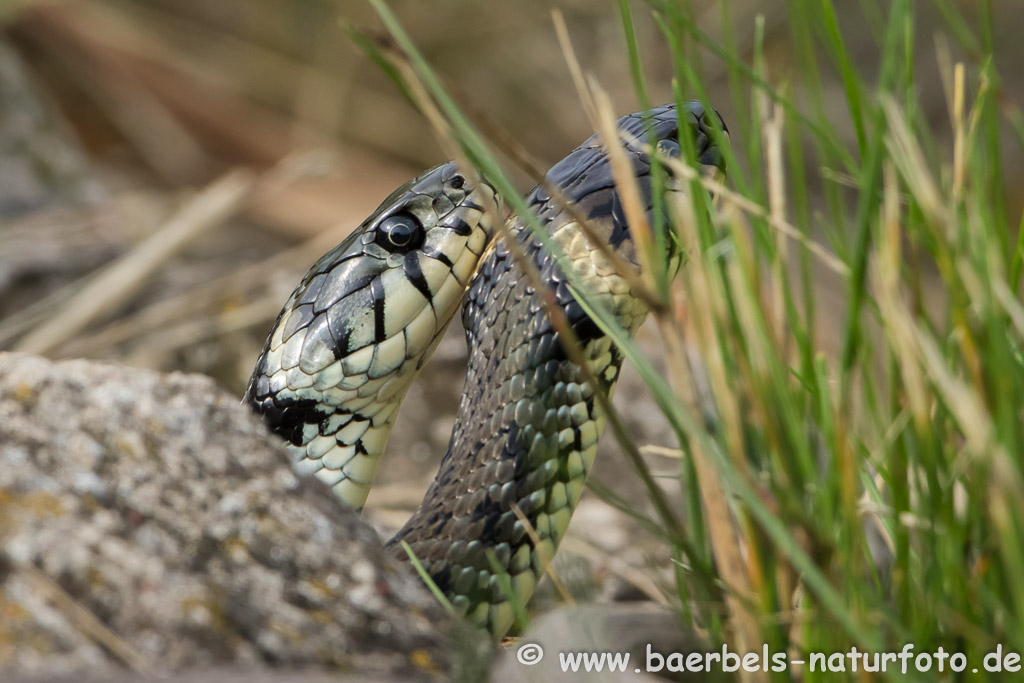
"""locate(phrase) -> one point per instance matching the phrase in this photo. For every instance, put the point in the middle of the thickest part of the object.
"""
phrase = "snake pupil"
(400, 232)
(457, 182)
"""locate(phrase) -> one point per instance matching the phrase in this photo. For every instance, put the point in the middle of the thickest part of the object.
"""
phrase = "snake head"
(585, 176)
(701, 126)
(359, 326)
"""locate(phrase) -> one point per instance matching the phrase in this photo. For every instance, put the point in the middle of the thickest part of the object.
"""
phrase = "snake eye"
(669, 148)
(400, 232)
(457, 182)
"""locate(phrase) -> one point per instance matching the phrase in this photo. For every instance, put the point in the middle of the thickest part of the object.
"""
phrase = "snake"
(364, 320)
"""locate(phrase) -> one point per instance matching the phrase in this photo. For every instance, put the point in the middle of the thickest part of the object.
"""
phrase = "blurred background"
(171, 168)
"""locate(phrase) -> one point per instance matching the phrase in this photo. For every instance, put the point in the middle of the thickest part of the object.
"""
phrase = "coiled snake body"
(343, 352)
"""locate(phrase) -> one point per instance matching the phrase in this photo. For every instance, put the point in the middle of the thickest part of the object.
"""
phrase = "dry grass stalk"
(620, 568)
(695, 284)
(772, 118)
(549, 567)
(723, 194)
(116, 282)
(87, 622)
(625, 184)
(199, 301)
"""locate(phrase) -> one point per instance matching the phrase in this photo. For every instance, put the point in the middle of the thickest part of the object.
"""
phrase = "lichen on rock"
(150, 522)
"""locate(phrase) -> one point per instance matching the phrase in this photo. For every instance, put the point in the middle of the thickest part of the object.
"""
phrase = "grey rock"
(148, 522)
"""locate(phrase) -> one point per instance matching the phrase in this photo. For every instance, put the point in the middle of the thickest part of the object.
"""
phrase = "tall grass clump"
(866, 493)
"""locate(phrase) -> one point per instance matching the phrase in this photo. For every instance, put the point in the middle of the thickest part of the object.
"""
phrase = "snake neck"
(530, 419)
(347, 451)
(338, 421)
(527, 429)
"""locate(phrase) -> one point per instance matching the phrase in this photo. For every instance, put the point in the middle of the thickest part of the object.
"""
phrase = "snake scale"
(366, 317)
